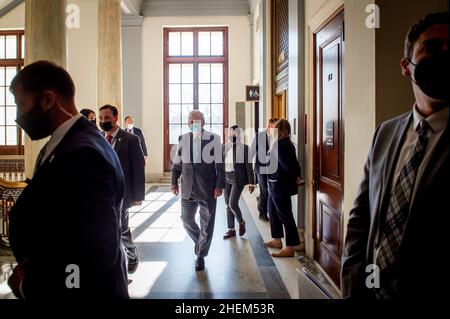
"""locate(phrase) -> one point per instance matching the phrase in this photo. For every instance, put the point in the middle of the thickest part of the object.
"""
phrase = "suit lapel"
(440, 156)
(119, 140)
(391, 160)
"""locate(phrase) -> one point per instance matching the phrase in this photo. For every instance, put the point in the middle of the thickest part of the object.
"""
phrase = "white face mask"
(130, 126)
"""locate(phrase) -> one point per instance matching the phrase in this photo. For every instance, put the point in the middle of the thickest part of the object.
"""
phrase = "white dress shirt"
(58, 135)
(229, 161)
(114, 135)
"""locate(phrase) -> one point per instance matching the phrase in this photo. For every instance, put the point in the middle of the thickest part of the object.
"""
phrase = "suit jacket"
(243, 168)
(138, 133)
(283, 182)
(69, 214)
(259, 150)
(200, 179)
(425, 229)
(129, 151)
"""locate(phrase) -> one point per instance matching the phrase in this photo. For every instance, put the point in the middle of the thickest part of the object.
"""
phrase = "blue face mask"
(196, 128)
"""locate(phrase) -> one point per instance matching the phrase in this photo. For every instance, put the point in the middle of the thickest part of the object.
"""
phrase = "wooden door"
(280, 108)
(329, 147)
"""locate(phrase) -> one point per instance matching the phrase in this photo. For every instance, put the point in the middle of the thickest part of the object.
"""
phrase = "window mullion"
(196, 86)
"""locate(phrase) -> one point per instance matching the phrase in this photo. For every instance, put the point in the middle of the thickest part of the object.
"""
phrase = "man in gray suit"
(199, 162)
(403, 197)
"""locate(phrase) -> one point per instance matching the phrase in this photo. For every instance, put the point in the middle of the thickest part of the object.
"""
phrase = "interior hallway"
(240, 268)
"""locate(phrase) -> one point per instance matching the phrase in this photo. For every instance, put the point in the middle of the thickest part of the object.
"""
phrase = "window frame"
(19, 63)
(195, 59)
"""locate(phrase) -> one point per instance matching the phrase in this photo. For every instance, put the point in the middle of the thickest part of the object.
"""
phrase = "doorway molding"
(324, 15)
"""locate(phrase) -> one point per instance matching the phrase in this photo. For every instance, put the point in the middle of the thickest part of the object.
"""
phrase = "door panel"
(329, 152)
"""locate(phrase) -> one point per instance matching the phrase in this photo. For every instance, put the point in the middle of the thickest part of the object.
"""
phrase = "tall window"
(11, 61)
(195, 77)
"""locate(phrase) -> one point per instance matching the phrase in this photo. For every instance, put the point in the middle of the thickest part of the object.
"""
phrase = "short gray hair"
(197, 112)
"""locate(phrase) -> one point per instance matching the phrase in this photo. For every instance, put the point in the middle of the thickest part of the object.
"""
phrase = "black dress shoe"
(264, 218)
(200, 264)
(132, 265)
(242, 228)
(229, 234)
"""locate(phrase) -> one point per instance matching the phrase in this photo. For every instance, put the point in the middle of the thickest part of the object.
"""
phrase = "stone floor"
(238, 268)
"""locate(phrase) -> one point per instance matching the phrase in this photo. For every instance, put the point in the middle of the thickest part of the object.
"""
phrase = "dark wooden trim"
(195, 60)
(317, 141)
(18, 62)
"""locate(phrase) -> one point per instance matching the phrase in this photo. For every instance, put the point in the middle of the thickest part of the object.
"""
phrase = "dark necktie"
(39, 159)
(397, 216)
(109, 138)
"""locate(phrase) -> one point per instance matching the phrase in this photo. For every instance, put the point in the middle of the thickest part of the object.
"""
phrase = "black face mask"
(36, 123)
(432, 75)
(94, 122)
(106, 126)
(232, 139)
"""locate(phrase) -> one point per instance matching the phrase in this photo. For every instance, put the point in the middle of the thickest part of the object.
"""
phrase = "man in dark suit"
(130, 128)
(396, 221)
(129, 151)
(199, 163)
(259, 150)
(65, 227)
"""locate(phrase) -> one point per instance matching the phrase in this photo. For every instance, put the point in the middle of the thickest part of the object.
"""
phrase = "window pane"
(185, 129)
(217, 113)
(11, 47)
(188, 73)
(2, 116)
(217, 93)
(205, 109)
(2, 46)
(188, 94)
(2, 76)
(186, 109)
(204, 93)
(2, 135)
(11, 135)
(204, 43)
(11, 115)
(218, 129)
(174, 43)
(10, 74)
(204, 73)
(174, 133)
(174, 93)
(187, 43)
(23, 47)
(10, 100)
(216, 73)
(2, 95)
(174, 113)
(217, 43)
(175, 73)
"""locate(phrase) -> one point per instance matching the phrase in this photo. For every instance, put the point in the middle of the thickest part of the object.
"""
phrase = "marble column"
(109, 55)
(45, 33)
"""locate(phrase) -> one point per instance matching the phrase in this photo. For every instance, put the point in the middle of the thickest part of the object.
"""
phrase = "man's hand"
(251, 189)
(138, 203)
(145, 160)
(217, 192)
(16, 280)
(174, 189)
(300, 181)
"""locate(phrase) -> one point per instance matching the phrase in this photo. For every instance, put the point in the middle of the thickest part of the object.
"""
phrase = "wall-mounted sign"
(252, 93)
(329, 135)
